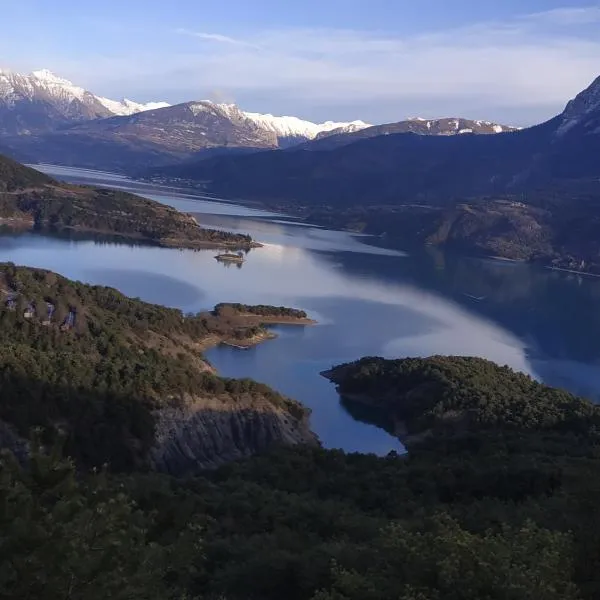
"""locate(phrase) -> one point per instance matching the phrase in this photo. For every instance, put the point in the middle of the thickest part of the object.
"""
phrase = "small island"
(243, 326)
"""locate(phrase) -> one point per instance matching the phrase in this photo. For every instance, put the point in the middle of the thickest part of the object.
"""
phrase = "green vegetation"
(553, 227)
(502, 507)
(262, 310)
(14, 176)
(496, 499)
(34, 199)
(456, 394)
(100, 377)
(62, 538)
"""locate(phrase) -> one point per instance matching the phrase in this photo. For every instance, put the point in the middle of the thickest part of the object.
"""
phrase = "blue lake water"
(367, 300)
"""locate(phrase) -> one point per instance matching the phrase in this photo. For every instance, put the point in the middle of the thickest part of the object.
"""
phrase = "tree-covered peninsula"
(33, 201)
(125, 381)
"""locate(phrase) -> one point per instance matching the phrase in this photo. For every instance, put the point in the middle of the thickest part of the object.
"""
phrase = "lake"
(367, 301)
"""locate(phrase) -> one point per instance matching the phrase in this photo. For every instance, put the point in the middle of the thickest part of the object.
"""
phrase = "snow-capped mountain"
(448, 126)
(147, 138)
(41, 101)
(288, 128)
(46, 118)
(454, 125)
(583, 110)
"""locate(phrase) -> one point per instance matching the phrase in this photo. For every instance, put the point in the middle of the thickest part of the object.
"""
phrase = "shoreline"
(213, 341)
(299, 213)
(575, 272)
(23, 224)
(506, 259)
(296, 212)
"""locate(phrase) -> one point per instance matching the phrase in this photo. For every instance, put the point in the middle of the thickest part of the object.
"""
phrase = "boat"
(231, 257)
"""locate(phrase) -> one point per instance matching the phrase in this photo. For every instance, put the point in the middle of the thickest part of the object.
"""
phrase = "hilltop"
(15, 176)
(450, 396)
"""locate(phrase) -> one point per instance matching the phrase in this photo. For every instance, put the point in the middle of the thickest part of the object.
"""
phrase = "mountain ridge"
(42, 101)
(75, 103)
(46, 118)
(404, 167)
(435, 127)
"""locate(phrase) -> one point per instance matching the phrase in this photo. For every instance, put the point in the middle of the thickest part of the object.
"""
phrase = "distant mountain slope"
(42, 101)
(41, 105)
(152, 137)
(182, 128)
(386, 169)
(292, 130)
(446, 126)
(406, 167)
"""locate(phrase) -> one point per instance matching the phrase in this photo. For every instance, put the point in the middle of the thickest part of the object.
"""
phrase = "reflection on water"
(368, 301)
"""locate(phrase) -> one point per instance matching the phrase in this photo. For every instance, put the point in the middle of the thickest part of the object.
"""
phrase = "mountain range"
(45, 118)
(42, 101)
(435, 127)
(395, 166)
(530, 194)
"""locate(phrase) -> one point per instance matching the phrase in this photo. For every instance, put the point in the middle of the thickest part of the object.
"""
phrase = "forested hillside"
(502, 505)
(14, 176)
(101, 368)
(31, 200)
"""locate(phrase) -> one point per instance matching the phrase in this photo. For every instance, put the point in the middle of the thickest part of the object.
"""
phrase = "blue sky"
(515, 61)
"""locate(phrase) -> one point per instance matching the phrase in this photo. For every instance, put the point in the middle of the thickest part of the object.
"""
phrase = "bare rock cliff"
(210, 432)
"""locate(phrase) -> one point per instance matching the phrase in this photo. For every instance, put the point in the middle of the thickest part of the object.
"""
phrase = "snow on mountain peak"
(290, 127)
(62, 93)
(282, 127)
(448, 125)
(128, 107)
(49, 77)
(57, 86)
(581, 107)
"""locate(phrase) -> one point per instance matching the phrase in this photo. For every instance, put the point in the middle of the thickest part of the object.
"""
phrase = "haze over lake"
(368, 301)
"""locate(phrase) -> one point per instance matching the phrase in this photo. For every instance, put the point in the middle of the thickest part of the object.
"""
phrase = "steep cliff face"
(206, 434)
(210, 432)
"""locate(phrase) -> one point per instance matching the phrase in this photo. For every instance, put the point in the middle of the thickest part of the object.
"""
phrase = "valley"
(368, 300)
(529, 194)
